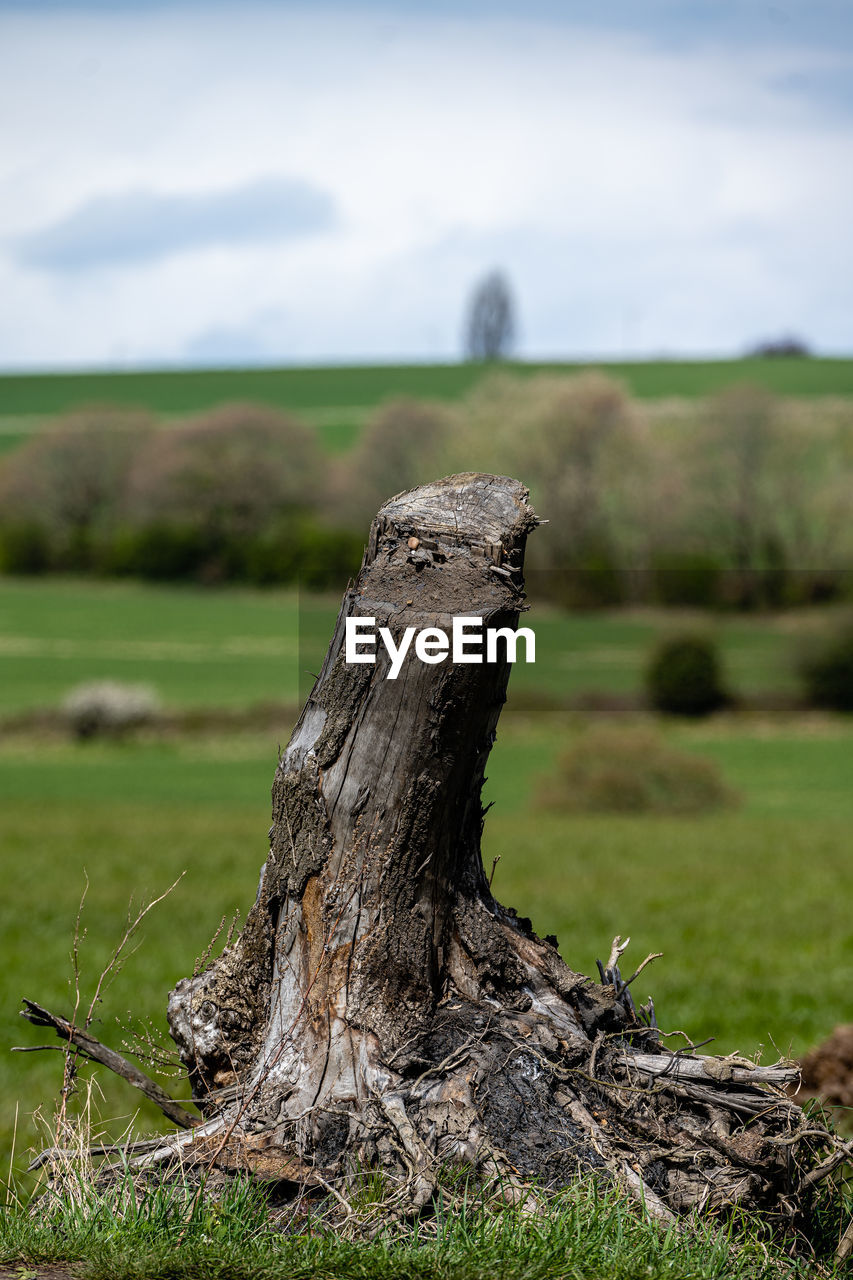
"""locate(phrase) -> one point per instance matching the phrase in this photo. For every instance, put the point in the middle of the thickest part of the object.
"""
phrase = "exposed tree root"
(522, 1105)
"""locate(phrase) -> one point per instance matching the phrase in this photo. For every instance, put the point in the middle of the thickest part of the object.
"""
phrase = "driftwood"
(381, 1008)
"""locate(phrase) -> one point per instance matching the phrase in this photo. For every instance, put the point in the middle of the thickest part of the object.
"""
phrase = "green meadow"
(235, 647)
(338, 399)
(750, 906)
(344, 386)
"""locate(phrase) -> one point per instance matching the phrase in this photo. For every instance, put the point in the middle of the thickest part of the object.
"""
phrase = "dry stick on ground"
(380, 1008)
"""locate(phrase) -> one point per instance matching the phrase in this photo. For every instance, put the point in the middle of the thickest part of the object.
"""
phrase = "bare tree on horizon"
(490, 323)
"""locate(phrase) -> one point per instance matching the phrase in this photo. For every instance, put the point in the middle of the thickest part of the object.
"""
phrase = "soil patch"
(827, 1070)
(43, 1271)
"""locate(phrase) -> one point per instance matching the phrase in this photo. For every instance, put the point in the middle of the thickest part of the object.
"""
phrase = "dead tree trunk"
(380, 1003)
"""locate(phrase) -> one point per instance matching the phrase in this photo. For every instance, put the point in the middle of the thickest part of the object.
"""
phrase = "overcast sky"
(188, 183)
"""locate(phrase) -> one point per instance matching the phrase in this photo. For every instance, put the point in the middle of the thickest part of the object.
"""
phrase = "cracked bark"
(380, 1003)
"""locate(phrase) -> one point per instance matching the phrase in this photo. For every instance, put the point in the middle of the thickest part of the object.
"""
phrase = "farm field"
(340, 386)
(234, 647)
(337, 400)
(197, 647)
(749, 905)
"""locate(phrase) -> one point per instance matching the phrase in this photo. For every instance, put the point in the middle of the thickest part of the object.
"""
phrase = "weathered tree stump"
(381, 1008)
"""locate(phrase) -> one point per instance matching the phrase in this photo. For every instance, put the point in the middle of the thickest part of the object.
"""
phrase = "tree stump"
(382, 1009)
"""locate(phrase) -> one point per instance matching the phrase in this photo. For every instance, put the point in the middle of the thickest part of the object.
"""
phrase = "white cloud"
(638, 198)
(143, 226)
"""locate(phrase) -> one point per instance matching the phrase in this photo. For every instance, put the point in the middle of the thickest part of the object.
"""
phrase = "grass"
(234, 647)
(587, 1232)
(750, 907)
(15, 430)
(199, 648)
(340, 394)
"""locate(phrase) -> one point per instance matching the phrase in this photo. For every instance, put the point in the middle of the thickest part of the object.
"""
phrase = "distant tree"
(228, 472)
(69, 480)
(738, 472)
(575, 441)
(400, 444)
(786, 346)
(490, 325)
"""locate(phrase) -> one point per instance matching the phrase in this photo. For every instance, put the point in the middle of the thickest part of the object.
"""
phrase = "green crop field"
(234, 647)
(750, 906)
(345, 386)
(197, 647)
(337, 399)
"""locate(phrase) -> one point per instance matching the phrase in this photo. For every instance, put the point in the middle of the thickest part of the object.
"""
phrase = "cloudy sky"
(221, 183)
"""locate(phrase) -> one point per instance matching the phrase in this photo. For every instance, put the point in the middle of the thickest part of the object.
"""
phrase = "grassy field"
(197, 647)
(345, 386)
(234, 647)
(336, 400)
(750, 906)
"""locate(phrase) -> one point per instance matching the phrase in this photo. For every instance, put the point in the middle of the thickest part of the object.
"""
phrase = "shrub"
(327, 557)
(159, 551)
(827, 670)
(596, 582)
(687, 578)
(24, 547)
(399, 448)
(65, 485)
(304, 551)
(109, 708)
(632, 770)
(684, 678)
(226, 474)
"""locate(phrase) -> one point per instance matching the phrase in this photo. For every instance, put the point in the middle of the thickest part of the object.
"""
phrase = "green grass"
(17, 430)
(608, 652)
(750, 908)
(198, 648)
(797, 767)
(233, 647)
(586, 1233)
(353, 389)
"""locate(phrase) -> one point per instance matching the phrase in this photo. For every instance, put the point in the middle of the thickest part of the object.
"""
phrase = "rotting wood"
(381, 1009)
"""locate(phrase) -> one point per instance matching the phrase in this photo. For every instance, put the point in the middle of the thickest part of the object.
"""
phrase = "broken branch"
(92, 1048)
